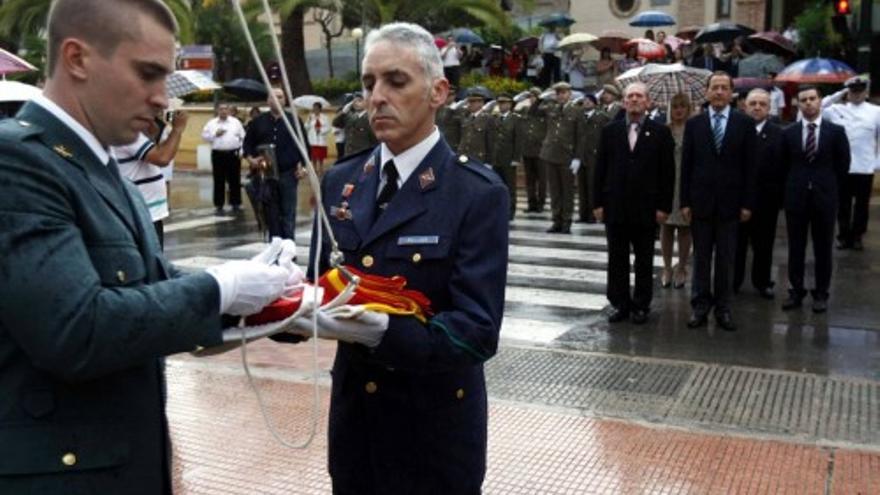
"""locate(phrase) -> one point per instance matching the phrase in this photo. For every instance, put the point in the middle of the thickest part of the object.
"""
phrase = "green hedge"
(495, 84)
(334, 89)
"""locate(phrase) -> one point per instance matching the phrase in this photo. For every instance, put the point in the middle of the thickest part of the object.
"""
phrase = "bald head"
(102, 24)
(758, 104)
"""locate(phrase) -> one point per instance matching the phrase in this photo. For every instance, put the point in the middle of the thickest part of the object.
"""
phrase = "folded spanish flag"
(377, 293)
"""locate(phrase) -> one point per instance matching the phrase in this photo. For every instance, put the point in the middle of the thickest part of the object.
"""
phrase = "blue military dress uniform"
(409, 417)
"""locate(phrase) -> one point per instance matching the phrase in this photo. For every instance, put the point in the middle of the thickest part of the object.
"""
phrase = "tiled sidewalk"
(222, 446)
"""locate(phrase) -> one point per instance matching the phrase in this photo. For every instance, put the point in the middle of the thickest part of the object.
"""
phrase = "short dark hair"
(102, 23)
(719, 73)
(808, 87)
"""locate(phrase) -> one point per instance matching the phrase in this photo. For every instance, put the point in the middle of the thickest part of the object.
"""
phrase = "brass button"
(120, 275)
(371, 387)
(459, 394)
(367, 261)
(417, 257)
(68, 459)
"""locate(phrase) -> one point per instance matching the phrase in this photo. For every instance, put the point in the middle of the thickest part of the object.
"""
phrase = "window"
(723, 11)
(624, 8)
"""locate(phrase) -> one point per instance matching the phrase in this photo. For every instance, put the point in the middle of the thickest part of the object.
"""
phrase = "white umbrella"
(666, 80)
(306, 102)
(576, 40)
(184, 82)
(16, 91)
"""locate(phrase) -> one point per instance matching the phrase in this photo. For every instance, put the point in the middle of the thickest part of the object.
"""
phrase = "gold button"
(417, 257)
(367, 261)
(69, 459)
(120, 275)
(371, 387)
(459, 394)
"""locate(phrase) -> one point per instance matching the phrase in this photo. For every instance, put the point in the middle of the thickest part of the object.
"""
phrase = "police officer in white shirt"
(861, 120)
(226, 135)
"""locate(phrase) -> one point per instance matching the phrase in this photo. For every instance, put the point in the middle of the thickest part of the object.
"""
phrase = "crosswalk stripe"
(534, 331)
(194, 223)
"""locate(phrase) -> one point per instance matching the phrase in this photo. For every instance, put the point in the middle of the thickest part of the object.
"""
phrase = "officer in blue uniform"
(409, 415)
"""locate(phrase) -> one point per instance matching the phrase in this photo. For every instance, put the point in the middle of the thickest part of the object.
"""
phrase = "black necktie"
(811, 142)
(390, 188)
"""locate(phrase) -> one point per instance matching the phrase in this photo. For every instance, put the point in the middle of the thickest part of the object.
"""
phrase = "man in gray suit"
(88, 304)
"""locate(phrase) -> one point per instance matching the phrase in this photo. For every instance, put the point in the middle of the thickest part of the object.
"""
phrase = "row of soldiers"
(554, 139)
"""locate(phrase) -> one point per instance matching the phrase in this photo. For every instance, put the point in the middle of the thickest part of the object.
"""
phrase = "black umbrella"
(719, 32)
(557, 19)
(246, 89)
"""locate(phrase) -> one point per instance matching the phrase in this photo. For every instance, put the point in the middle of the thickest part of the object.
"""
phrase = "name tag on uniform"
(418, 240)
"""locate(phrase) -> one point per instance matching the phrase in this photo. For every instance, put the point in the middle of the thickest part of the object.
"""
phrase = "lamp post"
(357, 33)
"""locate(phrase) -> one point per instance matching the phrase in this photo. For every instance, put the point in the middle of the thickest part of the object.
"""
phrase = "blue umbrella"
(816, 71)
(557, 19)
(465, 35)
(652, 18)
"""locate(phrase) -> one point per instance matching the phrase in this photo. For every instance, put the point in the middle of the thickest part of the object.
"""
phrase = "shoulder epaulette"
(478, 168)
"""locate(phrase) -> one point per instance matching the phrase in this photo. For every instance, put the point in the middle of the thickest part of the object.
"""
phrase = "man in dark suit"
(760, 230)
(717, 192)
(634, 184)
(817, 155)
(408, 411)
(88, 304)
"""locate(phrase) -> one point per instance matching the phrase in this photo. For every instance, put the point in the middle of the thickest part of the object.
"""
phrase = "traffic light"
(842, 7)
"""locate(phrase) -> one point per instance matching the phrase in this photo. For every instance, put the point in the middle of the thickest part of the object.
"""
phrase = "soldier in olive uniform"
(476, 131)
(559, 157)
(508, 141)
(611, 101)
(534, 128)
(587, 147)
(358, 134)
(448, 120)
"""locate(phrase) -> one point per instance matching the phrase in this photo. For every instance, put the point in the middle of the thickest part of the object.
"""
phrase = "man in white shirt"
(861, 120)
(451, 56)
(226, 135)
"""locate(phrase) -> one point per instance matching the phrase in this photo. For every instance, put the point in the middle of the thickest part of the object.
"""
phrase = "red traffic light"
(842, 7)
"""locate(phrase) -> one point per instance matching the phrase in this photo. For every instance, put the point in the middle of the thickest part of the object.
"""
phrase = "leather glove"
(246, 286)
(575, 166)
(347, 323)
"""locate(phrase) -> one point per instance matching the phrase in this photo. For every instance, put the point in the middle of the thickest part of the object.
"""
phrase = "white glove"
(347, 323)
(575, 166)
(246, 286)
(270, 255)
(282, 252)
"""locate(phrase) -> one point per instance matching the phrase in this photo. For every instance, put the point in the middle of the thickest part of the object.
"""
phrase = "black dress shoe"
(617, 315)
(565, 230)
(639, 316)
(697, 321)
(820, 305)
(725, 321)
(844, 245)
(792, 302)
(858, 246)
(766, 293)
(555, 229)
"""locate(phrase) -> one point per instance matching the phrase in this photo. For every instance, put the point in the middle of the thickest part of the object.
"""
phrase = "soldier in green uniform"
(534, 128)
(476, 131)
(354, 120)
(611, 100)
(508, 141)
(558, 153)
(587, 147)
(448, 120)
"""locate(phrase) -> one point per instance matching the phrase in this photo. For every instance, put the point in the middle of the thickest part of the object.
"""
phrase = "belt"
(225, 151)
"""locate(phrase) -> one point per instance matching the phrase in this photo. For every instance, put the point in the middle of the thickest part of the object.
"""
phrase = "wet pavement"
(790, 403)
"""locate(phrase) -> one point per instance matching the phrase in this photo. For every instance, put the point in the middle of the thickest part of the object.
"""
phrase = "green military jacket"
(588, 137)
(533, 125)
(449, 123)
(358, 133)
(477, 137)
(508, 139)
(563, 124)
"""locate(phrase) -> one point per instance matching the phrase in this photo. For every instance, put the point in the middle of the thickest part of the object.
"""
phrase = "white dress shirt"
(724, 121)
(101, 153)
(407, 161)
(231, 140)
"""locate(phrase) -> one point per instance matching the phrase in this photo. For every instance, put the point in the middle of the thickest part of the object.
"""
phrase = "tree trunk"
(329, 56)
(293, 51)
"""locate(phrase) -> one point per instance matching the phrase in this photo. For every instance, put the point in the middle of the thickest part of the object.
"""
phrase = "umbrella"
(760, 65)
(439, 43)
(558, 19)
(646, 48)
(466, 36)
(16, 91)
(674, 42)
(750, 83)
(816, 70)
(184, 82)
(612, 40)
(576, 40)
(666, 80)
(652, 18)
(688, 32)
(11, 63)
(528, 43)
(306, 102)
(719, 32)
(773, 42)
(247, 89)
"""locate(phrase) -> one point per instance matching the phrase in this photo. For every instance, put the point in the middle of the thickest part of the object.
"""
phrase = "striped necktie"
(810, 148)
(718, 131)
